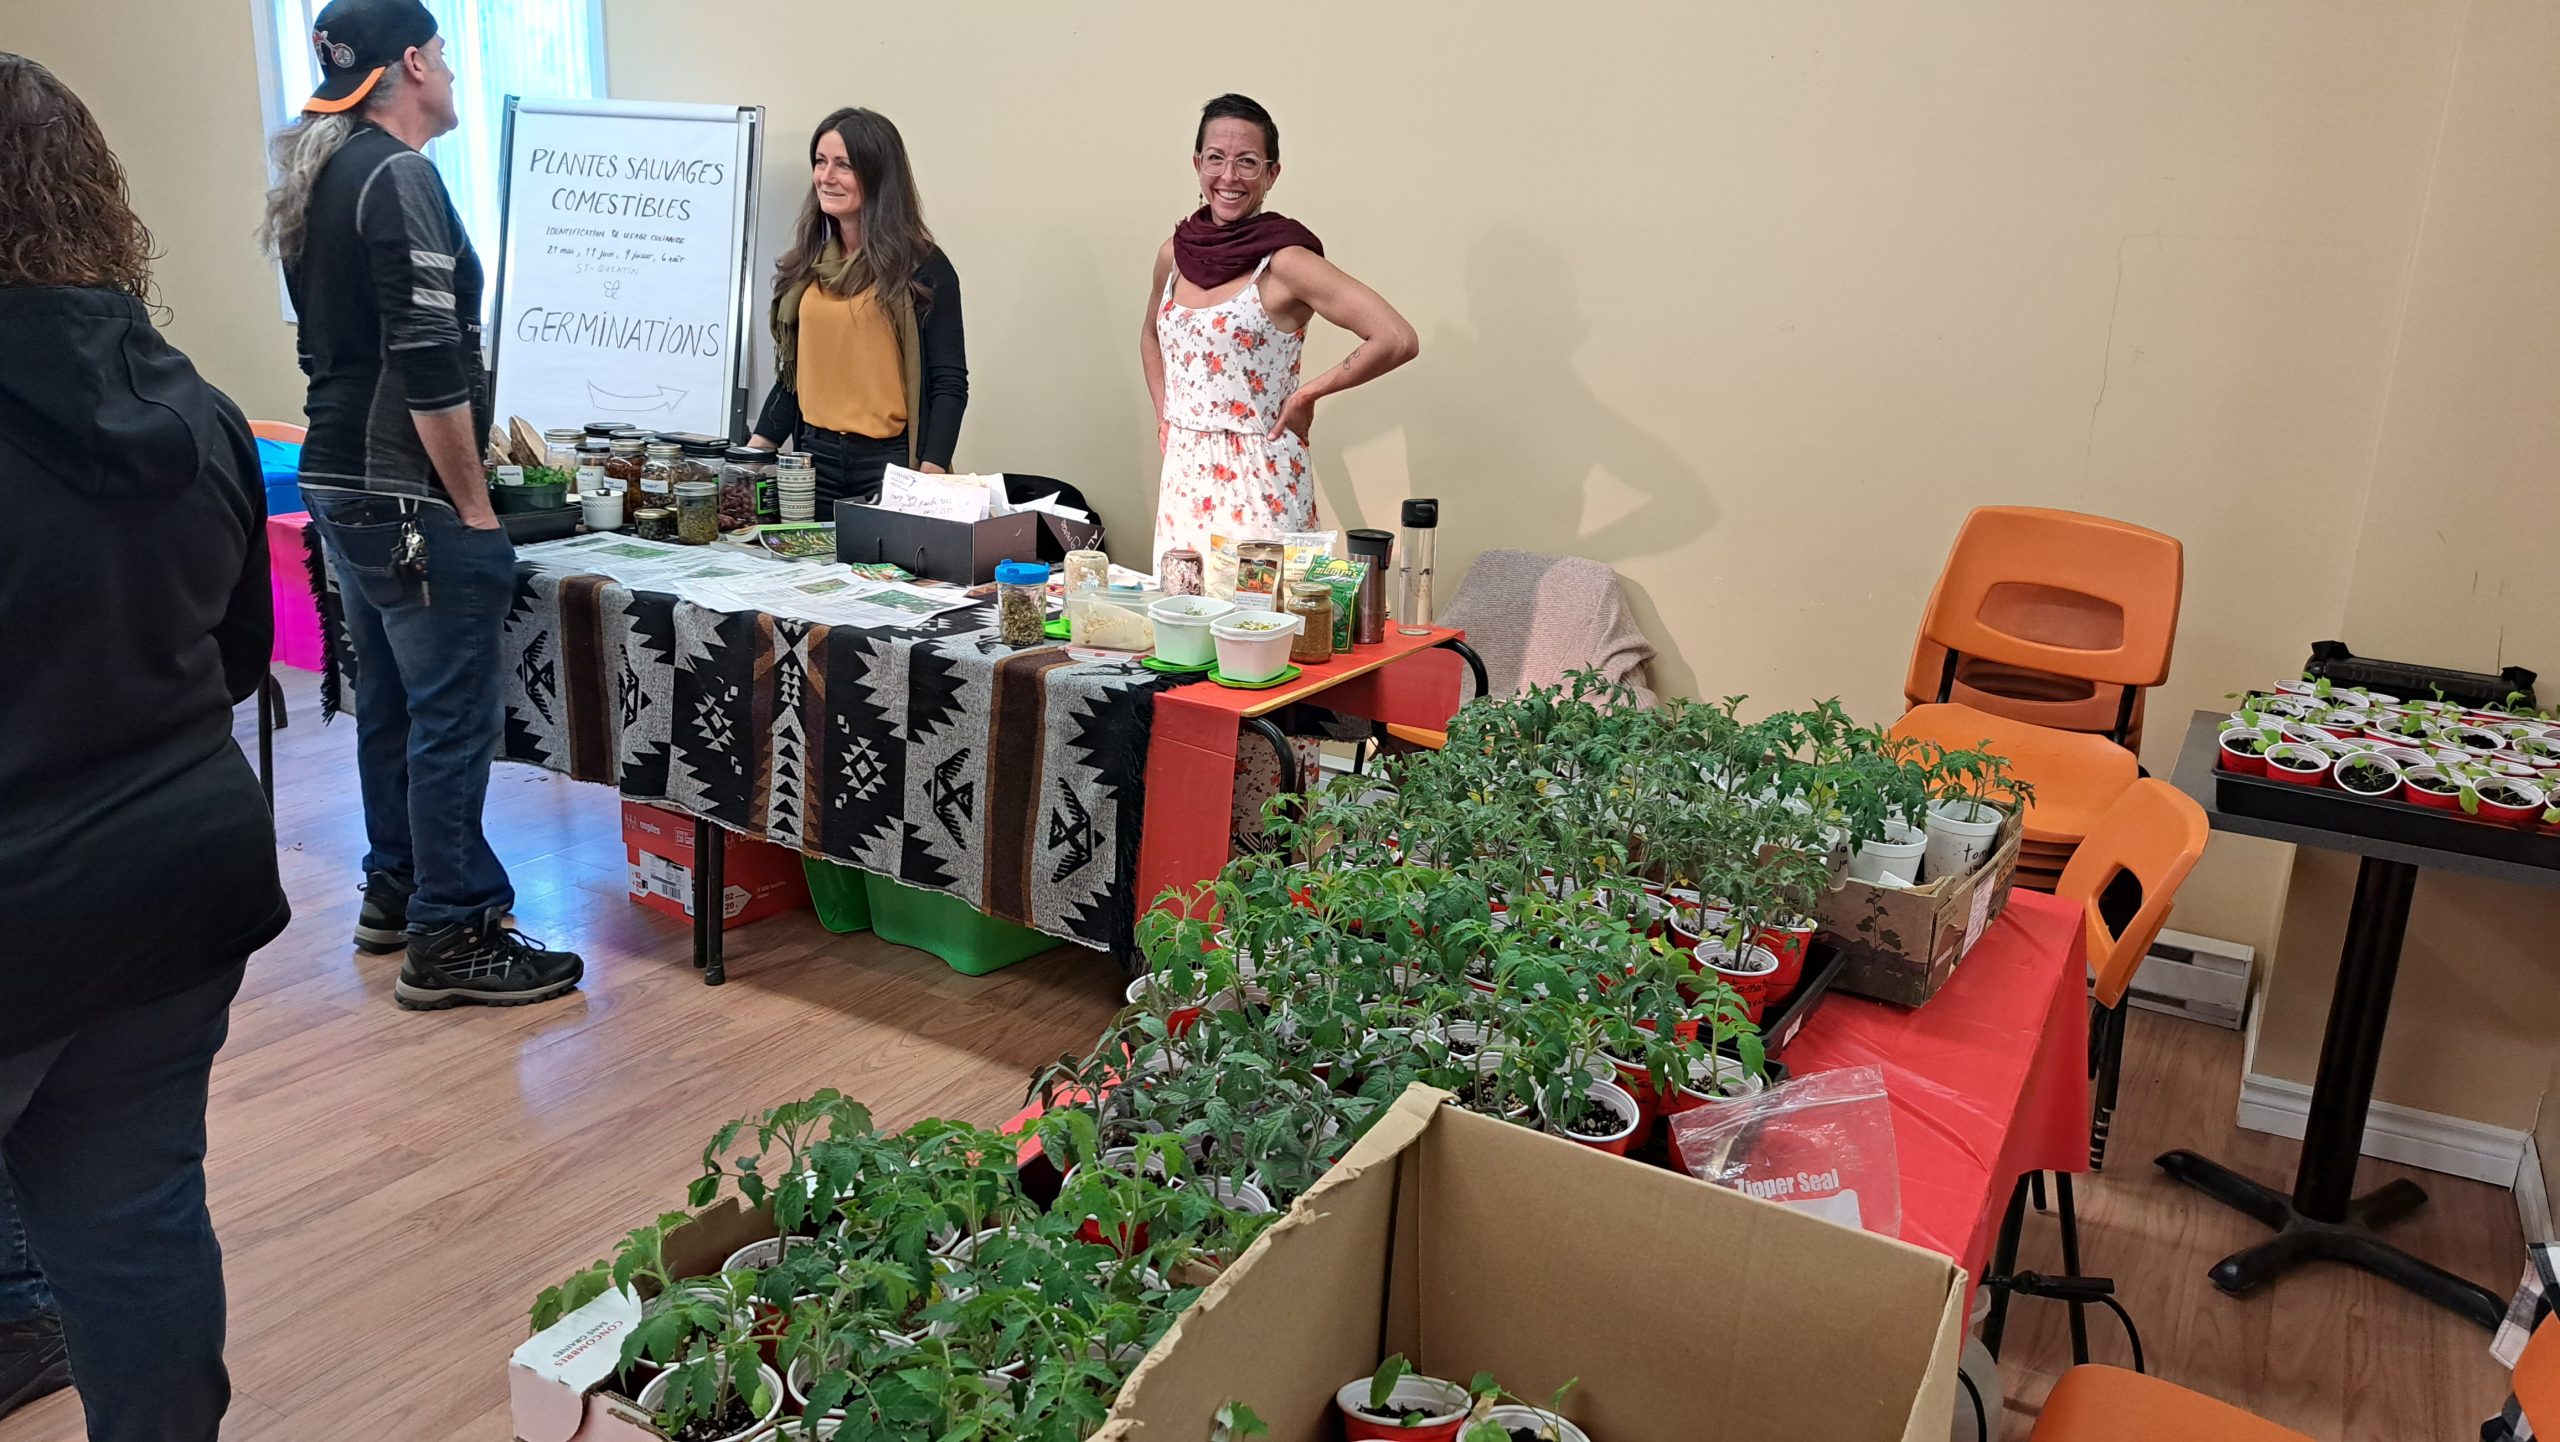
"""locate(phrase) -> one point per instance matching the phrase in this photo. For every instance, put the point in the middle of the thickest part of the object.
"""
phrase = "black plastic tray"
(2412, 682)
(527, 527)
(2329, 809)
(1822, 966)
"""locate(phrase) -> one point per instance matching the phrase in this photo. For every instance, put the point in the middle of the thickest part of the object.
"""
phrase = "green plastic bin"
(840, 894)
(972, 942)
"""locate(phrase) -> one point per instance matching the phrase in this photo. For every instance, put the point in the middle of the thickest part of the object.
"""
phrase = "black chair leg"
(2102, 1098)
(2004, 1260)
(2035, 1191)
(270, 716)
(2071, 1266)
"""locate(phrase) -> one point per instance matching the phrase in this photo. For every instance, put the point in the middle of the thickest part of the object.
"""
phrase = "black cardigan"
(945, 364)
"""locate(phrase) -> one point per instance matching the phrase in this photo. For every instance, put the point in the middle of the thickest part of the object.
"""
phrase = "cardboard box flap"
(550, 1375)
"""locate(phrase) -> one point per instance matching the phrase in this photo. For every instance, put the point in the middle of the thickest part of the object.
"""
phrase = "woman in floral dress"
(1226, 320)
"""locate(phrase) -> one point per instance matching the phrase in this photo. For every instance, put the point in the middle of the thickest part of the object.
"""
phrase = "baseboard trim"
(2431, 1140)
(2533, 1200)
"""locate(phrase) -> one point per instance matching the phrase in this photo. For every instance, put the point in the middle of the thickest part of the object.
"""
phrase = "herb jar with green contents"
(654, 523)
(697, 512)
(1022, 603)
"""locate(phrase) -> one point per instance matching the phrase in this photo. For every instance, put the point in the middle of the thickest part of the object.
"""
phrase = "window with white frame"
(541, 49)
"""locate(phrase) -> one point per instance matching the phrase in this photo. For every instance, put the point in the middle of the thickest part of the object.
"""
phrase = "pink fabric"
(298, 642)
(1989, 1080)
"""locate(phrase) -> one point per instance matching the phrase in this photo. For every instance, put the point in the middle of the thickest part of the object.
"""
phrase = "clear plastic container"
(1111, 618)
(1087, 570)
(1022, 603)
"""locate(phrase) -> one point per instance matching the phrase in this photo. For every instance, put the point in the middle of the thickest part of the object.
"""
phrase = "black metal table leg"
(2323, 1220)
(2004, 1260)
(709, 902)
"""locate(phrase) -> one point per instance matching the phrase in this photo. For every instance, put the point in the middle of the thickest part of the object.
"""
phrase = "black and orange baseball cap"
(356, 40)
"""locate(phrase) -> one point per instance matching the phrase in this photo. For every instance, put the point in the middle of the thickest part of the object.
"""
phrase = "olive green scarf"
(849, 275)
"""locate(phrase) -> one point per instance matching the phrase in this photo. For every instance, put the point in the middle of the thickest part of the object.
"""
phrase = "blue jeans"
(429, 699)
(23, 1295)
(102, 1138)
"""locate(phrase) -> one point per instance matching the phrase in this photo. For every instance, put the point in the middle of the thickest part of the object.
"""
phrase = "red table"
(1191, 754)
(1989, 1081)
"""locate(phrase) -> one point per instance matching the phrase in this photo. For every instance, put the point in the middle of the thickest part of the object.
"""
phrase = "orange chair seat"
(1418, 736)
(2110, 1404)
(2077, 776)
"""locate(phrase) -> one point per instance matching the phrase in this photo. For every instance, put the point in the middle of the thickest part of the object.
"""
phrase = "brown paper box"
(1902, 943)
(1690, 1313)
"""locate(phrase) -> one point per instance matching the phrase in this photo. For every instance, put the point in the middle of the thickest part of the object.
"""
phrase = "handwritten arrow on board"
(662, 399)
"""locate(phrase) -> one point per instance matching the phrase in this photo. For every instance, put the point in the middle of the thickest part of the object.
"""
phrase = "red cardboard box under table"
(759, 878)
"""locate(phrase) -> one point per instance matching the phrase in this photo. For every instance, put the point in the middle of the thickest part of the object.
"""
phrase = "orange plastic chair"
(2125, 878)
(277, 431)
(2109, 1404)
(2537, 1381)
(2064, 703)
(2104, 596)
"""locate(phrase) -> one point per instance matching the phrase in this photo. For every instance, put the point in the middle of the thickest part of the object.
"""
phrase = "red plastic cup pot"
(1444, 1405)
(1613, 1100)
(2298, 763)
(2505, 813)
(1788, 944)
(2414, 789)
(1748, 972)
(2348, 767)
(2245, 763)
(1538, 1422)
(1180, 1019)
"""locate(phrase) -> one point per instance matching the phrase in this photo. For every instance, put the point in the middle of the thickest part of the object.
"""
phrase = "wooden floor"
(393, 1187)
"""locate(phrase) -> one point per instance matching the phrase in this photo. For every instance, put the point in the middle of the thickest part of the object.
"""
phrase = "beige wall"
(2456, 562)
(1752, 300)
(175, 84)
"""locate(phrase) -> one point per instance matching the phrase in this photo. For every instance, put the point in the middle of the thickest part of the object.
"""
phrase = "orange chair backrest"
(277, 431)
(2538, 1376)
(2155, 832)
(2059, 592)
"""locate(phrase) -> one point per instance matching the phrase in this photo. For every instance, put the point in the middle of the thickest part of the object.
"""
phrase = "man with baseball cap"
(387, 291)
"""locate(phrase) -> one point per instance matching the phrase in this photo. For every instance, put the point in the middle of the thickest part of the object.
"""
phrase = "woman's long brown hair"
(894, 238)
(65, 216)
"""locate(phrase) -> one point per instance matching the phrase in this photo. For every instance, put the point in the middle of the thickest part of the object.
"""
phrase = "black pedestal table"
(2322, 1219)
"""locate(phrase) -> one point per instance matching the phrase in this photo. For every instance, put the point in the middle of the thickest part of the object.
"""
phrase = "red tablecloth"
(298, 641)
(1989, 1081)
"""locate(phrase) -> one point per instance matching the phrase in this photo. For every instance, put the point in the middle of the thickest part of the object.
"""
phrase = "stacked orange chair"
(2081, 601)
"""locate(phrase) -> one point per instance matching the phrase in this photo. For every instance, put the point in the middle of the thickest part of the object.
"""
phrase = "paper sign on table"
(945, 498)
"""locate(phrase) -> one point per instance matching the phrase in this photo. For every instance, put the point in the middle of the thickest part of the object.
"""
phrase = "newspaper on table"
(722, 579)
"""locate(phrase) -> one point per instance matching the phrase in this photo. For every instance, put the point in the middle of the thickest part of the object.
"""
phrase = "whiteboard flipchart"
(625, 238)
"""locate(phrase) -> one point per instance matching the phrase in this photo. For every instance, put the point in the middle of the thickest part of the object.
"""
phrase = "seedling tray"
(1822, 966)
(2329, 809)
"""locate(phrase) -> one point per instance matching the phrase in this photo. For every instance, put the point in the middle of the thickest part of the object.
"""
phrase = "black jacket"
(136, 856)
(945, 364)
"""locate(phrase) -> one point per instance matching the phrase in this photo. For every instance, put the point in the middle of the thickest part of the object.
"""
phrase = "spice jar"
(654, 523)
(594, 451)
(1181, 573)
(1087, 570)
(624, 461)
(703, 457)
(795, 487)
(1022, 602)
(658, 476)
(560, 448)
(697, 512)
(746, 487)
(1312, 602)
(605, 430)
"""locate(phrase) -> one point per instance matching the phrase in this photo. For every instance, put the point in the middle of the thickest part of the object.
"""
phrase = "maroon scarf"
(1209, 254)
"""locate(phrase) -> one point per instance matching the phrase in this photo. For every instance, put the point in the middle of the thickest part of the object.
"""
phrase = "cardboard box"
(1690, 1313)
(961, 552)
(758, 879)
(555, 1380)
(1902, 943)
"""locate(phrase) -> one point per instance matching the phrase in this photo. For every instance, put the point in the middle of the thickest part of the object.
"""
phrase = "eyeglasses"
(1242, 167)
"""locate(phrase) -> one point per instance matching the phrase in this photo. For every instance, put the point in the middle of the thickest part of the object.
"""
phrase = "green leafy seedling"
(1382, 1384)
(1236, 1421)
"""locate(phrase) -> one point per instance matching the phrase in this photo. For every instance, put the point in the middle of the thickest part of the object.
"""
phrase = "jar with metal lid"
(658, 475)
(606, 430)
(624, 461)
(1022, 602)
(654, 523)
(594, 451)
(1312, 601)
(1181, 573)
(560, 447)
(697, 512)
(746, 487)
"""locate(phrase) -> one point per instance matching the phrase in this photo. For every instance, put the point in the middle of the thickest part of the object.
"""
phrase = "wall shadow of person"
(1499, 395)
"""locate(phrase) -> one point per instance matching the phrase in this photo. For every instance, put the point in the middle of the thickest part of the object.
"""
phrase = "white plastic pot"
(1957, 845)
(602, 510)
(761, 1256)
(653, 1394)
(1548, 1426)
(804, 1374)
(1254, 645)
(1238, 1196)
(1893, 861)
(1182, 628)
(1732, 1086)
(1609, 1097)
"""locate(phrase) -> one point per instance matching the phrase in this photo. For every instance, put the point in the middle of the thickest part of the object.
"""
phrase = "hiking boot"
(482, 963)
(33, 1362)
(382, 923)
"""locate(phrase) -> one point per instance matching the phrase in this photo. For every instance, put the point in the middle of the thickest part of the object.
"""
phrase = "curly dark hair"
(65, 217)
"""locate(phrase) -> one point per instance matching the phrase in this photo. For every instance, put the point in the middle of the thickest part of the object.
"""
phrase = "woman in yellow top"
(869, 364)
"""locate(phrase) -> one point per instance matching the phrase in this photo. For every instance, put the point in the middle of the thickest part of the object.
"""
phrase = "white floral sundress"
(1227, 371)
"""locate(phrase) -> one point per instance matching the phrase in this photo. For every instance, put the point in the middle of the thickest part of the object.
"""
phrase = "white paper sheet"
(949, 498)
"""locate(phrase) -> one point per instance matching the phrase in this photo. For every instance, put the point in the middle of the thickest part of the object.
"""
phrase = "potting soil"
(737, 1417)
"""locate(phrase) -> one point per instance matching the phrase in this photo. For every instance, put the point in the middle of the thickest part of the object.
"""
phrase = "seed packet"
(1344, 578)
(1258, 566)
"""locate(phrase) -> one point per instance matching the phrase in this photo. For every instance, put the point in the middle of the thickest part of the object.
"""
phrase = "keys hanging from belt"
(409, 558)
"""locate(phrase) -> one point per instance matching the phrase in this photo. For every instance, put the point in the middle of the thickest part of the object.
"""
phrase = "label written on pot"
(1980, 917)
